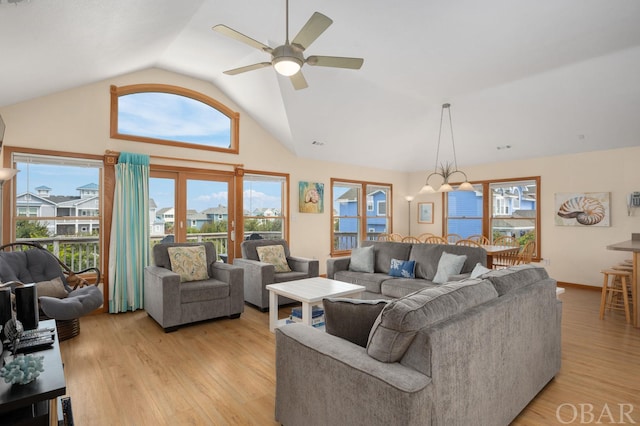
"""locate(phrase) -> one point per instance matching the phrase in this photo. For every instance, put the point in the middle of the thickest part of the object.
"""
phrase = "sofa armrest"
(302, 264)
(255, 270)
(336, 264)
(234, 276)
(162, 295)
(343, 377)
(256, 277)
(231, 274)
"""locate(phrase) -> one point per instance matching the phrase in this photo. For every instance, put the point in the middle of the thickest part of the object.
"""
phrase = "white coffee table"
(309, 291)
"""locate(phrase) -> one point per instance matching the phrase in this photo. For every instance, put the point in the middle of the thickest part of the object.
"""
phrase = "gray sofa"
(257, 275)
(472, 352)
(380, 285)
(172, 303)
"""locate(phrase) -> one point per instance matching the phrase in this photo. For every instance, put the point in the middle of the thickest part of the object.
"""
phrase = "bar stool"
(610, 290)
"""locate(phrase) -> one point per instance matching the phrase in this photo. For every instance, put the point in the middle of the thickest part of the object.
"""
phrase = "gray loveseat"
(472, 352)
(173, 303)
(257, 274)
(380, 285)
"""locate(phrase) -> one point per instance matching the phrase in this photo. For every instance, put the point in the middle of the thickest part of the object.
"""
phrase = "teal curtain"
(129, 248)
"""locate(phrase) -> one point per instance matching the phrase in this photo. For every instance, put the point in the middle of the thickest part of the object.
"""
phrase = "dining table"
(633, 246)
(493, 250)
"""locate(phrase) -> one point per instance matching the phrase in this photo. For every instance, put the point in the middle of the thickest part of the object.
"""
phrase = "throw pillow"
(351, 319)
(479, 270)
(190, 262)
(402, 268)
(449, 264)
(53, 288)
(275, 256)
(362, 259)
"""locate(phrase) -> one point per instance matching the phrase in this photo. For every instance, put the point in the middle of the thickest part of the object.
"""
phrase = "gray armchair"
(258, 274)
(172, 303)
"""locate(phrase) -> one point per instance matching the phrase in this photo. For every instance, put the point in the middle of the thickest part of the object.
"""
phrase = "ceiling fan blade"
(335, 61)
(229, 32)
(247, 68)
(315, 26)
(298, 81)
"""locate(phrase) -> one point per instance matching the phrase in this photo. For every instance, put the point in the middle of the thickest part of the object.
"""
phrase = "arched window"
(171, 115)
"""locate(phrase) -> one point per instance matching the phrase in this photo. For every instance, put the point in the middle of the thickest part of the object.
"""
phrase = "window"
(265, 201)
(355, 220)
(27, 211)
(171, 115)
(52, 209)
(513, 206)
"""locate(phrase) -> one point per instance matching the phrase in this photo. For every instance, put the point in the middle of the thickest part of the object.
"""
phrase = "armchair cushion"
(53, 288)
(275, 256)
(190, 262)
(79, 302)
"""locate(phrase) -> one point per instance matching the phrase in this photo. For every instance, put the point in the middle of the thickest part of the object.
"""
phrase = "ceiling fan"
(288, 58)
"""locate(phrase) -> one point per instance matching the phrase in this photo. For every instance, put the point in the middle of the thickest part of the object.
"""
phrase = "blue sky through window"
(63, 180)
(173, 117)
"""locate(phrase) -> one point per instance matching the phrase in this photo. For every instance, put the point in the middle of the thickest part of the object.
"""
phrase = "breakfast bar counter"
(632, 245)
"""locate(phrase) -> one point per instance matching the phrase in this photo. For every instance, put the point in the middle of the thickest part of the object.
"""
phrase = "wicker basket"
(68, 328)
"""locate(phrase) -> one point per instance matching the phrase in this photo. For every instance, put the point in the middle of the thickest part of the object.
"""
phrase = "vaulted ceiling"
(544, 77)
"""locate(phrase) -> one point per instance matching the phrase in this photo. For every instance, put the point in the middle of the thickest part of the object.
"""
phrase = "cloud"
(258, 200)
(169, 116)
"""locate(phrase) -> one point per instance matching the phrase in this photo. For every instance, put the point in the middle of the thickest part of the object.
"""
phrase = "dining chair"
(422, 237)
(395, 237)
(480, 239)
(526, 253)
(383, 237)
(506, 259)
(467, 242)
(410, 239)
(452, 238)
(434, 239)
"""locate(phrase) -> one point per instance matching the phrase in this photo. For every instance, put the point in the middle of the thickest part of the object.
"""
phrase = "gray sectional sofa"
(380, 285)
(470, 352)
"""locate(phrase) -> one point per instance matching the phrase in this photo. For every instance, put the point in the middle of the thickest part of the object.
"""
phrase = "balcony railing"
(349, 240)
(80, 253)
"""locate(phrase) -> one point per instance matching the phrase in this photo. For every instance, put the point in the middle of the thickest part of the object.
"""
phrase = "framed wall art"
(311, 197)
(425, 212)
(582, 209)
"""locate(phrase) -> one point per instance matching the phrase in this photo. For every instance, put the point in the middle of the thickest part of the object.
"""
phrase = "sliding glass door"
(192, 207)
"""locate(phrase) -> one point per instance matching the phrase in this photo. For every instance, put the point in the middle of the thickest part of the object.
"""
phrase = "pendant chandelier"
(447, 169)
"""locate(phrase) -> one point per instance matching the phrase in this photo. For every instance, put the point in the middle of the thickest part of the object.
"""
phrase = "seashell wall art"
(582, 209)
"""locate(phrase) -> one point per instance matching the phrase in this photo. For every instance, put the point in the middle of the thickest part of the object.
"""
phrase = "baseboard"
(581, 286)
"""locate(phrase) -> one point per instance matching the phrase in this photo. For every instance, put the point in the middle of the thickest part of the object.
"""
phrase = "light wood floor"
(124, 370)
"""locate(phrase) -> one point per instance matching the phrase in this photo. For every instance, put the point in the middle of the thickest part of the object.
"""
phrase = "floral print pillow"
(189, 262)
(275, 256)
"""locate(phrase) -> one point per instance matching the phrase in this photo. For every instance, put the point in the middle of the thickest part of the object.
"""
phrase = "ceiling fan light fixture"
(287, 65)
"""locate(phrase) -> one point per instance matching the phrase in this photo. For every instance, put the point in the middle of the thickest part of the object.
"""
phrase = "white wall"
(574, 254)
(77, 120)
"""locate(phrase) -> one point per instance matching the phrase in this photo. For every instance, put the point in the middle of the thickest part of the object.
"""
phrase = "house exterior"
(376, 212)
(54, 208)
(509, 205)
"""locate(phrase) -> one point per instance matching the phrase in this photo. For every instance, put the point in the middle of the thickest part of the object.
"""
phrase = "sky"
(173, 117)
